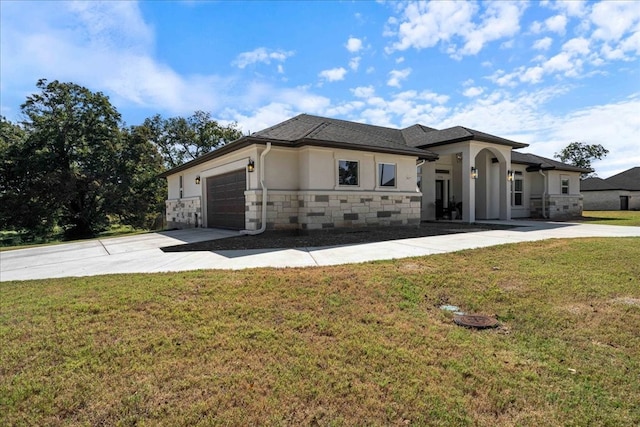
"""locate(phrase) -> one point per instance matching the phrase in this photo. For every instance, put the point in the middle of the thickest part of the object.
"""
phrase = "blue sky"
(545, 73)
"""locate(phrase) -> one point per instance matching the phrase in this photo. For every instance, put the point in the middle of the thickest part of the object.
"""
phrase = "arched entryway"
(491, 185)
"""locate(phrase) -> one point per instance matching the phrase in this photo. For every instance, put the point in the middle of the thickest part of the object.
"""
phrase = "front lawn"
(612, 217)
(349, 345)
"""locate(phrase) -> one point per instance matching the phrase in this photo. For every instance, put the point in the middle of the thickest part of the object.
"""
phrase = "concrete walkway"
(142, 254)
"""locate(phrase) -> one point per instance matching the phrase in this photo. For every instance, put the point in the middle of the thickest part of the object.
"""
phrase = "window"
(516, 189)
(181, 186)
(347, 172)
(386, 175)
(564, 184)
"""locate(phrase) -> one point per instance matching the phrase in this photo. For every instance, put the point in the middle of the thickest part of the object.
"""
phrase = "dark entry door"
(225, 200)
(439, 198)
(624, 203)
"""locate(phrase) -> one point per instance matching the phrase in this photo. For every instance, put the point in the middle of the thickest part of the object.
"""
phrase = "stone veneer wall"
(316, 210)
(184, 213)
(559, 206)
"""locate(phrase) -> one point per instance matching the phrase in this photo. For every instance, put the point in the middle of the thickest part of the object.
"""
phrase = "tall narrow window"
(564, 184)
(347, 172)
(386, 175)
(181, 186)
(517, 189)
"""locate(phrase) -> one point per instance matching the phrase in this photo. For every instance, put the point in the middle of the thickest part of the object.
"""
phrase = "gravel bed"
(336, 237)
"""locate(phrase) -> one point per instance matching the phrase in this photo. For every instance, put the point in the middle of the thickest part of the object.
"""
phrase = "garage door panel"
(225, 200)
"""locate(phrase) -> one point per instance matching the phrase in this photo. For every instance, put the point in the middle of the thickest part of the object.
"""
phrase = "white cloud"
(354, 63)
(260, 55)
(615, 18)
(103, 46)
(363, 91)
(543, 44)
(424, 25)
(556, 24)
(400, 60)
(334, 74)
(472, 92)
(354, 45)
(396, 76)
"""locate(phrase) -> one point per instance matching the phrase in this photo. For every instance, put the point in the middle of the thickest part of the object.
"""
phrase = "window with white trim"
(180, 186)
(517, 186)
(348, 172)
(564, 184)
(386, 174)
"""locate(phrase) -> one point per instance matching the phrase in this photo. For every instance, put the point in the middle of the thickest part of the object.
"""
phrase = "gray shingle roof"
(627, 180)
(460, 133)
(595, 184)
(306, 129)
(543, 162)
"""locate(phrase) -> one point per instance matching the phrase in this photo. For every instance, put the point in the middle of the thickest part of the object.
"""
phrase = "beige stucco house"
(320, 173)
(618, 192)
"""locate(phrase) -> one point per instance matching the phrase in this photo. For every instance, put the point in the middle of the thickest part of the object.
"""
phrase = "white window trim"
(562, 186)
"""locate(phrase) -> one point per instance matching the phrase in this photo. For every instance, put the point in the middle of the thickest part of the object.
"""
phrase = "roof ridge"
(317, 128)
(381, 138)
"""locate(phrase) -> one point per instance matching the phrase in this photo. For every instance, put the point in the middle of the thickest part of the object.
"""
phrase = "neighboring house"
(618, 192)
(319, 173)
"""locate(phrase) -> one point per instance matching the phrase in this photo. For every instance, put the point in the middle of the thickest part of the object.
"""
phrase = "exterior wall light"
(510, 175)
(198, 180)
(474, 172)
(251, 166)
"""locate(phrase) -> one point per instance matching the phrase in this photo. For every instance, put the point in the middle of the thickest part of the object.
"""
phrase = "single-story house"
(619, 192)
(313, 172)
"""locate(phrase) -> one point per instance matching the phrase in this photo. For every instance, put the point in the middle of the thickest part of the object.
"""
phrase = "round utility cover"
(477, 321)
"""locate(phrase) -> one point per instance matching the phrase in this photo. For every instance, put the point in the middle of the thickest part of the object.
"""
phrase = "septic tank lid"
(477, 321)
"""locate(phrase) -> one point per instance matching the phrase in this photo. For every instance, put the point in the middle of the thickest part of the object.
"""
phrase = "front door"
(624, 203)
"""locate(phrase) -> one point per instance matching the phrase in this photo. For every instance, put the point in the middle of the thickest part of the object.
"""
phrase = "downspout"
(544, 195)
(264, 196)
(419, 165)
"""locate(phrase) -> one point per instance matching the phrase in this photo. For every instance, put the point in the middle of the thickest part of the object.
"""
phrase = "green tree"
(180, 139)
(138, 200)
(70, 164)
(21, 208)
(581, 154)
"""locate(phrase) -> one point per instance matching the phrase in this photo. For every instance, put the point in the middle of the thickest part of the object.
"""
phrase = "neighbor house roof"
(595, 184)
(626, 180)
(542, 163)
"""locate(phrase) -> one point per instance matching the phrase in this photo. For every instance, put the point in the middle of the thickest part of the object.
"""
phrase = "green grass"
(630, 218)
(348, 345)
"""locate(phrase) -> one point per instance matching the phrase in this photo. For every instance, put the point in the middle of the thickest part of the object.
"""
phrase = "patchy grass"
(347, 345)
(631, 218)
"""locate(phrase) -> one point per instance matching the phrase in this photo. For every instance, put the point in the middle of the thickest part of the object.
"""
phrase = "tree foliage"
(581, 155)
(180, 139)
(70, 164)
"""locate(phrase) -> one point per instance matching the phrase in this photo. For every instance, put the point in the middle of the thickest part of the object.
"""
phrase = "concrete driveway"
(142, 253)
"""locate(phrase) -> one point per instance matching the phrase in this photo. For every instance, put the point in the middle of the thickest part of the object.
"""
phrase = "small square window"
(386, 175)
(347, 172)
